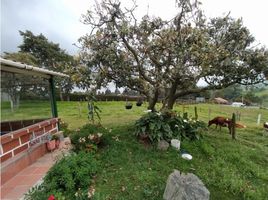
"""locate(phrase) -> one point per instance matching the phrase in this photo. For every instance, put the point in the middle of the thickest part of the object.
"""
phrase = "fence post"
(259, 119)
(185, 115)
(79, 108)
(233, 126)
(195, 112)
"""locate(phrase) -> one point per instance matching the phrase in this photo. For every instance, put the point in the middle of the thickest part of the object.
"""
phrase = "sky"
(59, 20)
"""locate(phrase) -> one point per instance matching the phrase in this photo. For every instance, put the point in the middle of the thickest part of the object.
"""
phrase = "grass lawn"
(230, 169)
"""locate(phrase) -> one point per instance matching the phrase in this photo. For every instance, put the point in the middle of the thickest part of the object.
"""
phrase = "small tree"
(14, 84)
(117, 91)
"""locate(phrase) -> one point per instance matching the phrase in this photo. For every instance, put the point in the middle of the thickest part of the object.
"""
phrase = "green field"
(114, 112)
(230, 169)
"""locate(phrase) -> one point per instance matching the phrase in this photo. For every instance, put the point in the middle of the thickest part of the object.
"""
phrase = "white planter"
(176, 144)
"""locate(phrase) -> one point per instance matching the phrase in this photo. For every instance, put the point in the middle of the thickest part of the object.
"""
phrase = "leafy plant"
(55, 137)
(168, 125)
(87, 138)
(93, 109)
(64, 127)
(71, 176)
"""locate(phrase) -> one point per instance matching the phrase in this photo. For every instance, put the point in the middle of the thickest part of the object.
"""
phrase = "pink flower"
(51, 197)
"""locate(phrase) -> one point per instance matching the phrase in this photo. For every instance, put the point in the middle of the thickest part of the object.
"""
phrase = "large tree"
(152, 55)
(50, 56)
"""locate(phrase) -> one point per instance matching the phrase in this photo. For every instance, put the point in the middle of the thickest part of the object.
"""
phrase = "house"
(220, 100)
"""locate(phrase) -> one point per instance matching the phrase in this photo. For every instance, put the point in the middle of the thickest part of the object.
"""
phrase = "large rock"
(182, 186)
(162, 145)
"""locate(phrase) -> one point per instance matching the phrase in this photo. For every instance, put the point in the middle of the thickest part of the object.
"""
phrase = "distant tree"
(125, 91)
(22, 57)
(108, 91)
(50, 56)
(117, 91)
(152, 54)
(231, 93)
(16, 84)
(252, 98)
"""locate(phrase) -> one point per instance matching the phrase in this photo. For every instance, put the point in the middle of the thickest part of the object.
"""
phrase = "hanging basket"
(138, 103)
(128, 107)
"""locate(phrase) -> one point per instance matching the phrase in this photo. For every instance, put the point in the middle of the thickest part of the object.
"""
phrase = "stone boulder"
(181, 186)
(162, 145)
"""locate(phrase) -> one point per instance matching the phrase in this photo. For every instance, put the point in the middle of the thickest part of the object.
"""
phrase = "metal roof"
(21, 68)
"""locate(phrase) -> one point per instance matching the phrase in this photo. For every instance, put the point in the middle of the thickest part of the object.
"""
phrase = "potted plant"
(128, 105)
(139, 103)
(51, 143)
(57, 140)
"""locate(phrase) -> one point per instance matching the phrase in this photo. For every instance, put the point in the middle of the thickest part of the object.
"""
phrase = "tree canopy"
(50, 56)
(151, 55)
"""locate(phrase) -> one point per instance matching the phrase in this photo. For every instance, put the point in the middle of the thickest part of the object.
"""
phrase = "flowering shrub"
(64, 127)
(70, 178)
(87, 138)
(168, 125)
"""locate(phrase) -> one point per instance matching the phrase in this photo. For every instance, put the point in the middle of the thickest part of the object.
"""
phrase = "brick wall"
(23, 139)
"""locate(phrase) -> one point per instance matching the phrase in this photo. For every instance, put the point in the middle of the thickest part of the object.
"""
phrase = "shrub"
(87, 138)
(64, 127)
(167, 126)
(72, 176)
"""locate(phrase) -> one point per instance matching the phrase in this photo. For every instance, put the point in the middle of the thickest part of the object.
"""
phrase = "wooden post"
(195, 112)
(185, 115)
(259, 119)
(233, 126)
(79, 108)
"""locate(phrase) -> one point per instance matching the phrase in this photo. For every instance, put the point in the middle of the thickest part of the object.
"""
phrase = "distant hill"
(262, 93)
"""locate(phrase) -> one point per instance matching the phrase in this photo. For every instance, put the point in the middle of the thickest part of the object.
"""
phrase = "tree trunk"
(170, 99)
(61, 95)
(14, 101)
(11, 105)
(68, 97)
(153, 100)
(170, 102)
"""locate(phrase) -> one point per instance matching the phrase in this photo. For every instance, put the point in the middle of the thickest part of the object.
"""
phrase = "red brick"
(25, 138)
(20, 149)
(19, 133)
(44, 123)
(5, 139)
(6, 157)
(48, 128)
(39, 132)
(54, 120)
(10, 145)
(54, 131)
(34, 128)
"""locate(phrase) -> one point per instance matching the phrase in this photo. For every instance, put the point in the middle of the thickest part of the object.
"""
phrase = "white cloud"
(60, 22)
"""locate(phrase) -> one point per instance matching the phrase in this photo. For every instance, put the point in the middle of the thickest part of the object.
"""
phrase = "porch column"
(52, 97)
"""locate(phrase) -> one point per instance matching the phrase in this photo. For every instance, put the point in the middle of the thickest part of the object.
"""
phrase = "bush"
(64, 128)
(72, 176)
(167, 126)
(87, 138)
